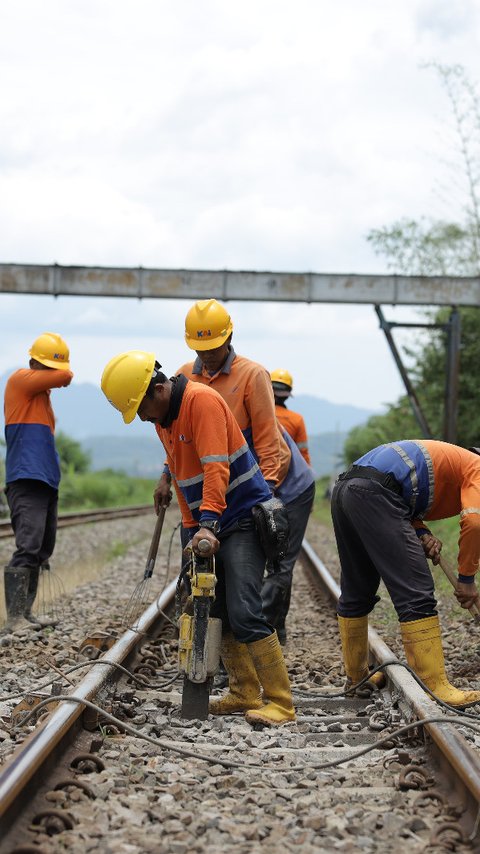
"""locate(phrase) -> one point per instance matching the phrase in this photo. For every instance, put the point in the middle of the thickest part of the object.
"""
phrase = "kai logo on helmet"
(207, 325)
(49, 349)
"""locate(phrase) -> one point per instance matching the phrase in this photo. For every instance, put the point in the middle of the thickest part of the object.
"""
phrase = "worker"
(246, 388)
(282, 384)
(217, 482)
(32, 473)
(380, 507)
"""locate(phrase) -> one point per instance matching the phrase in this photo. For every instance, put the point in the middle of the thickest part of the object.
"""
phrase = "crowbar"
(474, 609)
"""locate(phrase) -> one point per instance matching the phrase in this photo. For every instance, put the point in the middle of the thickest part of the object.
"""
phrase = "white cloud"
(261, 135)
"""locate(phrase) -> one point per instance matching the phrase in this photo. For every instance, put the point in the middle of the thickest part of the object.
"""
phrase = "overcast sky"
(243, 135)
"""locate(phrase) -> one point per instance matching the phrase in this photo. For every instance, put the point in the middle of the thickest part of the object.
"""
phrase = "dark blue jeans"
(239, 565)
(376, 540)
(33, 512)
(277, 586)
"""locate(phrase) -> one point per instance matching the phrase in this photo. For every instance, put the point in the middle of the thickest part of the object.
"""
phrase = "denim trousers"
(239, 566)
(277, 585)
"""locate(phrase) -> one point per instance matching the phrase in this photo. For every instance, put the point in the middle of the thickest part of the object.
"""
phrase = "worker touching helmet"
(51, 350)
(32, 473)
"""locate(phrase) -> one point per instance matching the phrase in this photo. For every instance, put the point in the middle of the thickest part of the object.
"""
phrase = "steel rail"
(82, 517)
(25, 766)
(463, 760)
(33, 754)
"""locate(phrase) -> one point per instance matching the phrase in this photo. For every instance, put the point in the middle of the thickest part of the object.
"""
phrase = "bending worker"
(246, 387)
(217, 482)
(379, 508)
(292, 422)
(32, 472)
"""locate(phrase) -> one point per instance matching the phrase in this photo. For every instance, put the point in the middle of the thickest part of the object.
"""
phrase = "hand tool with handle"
(474, 609)
(139, 597)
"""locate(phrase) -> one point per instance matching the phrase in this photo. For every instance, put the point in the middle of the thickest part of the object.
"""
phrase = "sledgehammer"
(474, 609)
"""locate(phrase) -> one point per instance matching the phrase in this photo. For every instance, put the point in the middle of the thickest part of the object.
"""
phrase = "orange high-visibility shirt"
(295, 426)
(30, 425)
(437, 480)
(247, 389)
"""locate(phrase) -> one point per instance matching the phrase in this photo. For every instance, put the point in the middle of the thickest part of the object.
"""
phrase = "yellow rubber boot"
(422, 642)
(244, 688)
(269, 663)
(354, 638)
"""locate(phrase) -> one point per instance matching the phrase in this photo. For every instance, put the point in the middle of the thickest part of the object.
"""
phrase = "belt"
(369, 473)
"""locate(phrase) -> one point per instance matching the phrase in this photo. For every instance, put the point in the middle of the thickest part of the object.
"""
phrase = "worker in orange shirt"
(282, 384)
(32, 473)
(246, 387)
(218, 483)
(379, 508)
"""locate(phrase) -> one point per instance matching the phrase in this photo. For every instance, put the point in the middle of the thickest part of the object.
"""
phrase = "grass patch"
(86, 490)
(117, 549)
(321, 505)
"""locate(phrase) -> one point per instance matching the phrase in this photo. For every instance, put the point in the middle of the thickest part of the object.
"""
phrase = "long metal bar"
(452, 377)
(66, 520)
(414, 402)
(253, 285)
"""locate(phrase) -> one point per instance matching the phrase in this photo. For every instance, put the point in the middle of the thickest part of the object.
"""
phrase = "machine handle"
(153, 550)
(204, 546)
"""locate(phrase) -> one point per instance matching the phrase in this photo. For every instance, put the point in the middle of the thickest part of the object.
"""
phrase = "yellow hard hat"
(207, 325)
(280, 375)
(51, 350)
(125, 381)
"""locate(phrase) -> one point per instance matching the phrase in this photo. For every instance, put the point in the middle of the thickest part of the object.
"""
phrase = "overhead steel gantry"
(143, 282)
(149, 283)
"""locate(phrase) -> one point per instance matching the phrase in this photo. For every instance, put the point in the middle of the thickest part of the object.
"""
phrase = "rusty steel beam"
(140, 282)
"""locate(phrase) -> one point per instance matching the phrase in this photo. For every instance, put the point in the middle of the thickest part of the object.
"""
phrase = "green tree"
(431, 247)
(73, 459)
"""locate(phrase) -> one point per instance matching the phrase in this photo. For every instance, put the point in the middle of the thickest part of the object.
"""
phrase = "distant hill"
(323, 416)
(143, 456)
(83, 413)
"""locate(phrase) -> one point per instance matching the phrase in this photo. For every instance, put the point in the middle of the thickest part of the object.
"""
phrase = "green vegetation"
(73, 459)
(103, 489)
(321, 504)
(81, 489)
(117, 549)
(435, 248)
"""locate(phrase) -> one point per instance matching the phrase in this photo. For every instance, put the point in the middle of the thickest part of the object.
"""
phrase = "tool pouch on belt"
(271, 522)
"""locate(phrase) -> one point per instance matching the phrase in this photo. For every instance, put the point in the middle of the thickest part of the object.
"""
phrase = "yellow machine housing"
(199, 634)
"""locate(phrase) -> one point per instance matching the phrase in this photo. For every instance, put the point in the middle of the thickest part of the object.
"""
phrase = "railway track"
(66, 520)
(337, 779)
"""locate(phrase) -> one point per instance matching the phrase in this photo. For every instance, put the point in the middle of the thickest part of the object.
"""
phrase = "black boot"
(31, 594)
(16, 585)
